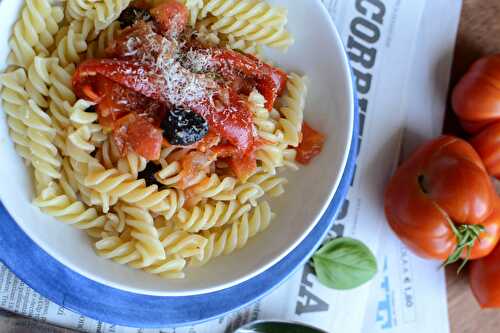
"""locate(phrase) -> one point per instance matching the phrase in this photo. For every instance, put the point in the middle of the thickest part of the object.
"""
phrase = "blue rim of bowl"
(77, 293)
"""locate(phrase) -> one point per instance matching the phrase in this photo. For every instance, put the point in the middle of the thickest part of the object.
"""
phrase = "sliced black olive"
(91, 108)
(148, 174)
(183, 127)
(131, 15)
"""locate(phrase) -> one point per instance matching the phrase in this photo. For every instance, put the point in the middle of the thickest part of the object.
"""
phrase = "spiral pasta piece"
(292, 110)
(110, 158)
(114, 224)
(244, 193)
(80, 115)
(97, 48)
(289, 156)
(206, 216)
(254, 33)
(267, 126)
(71, 177)
(270, 157)
(78, 10)
(213, 186)
(124, 187)
(254, 11)
(170, 268)
(182, 243)
(272, 184)
(170, 174)
(61, 95)
(194, 8)
(33, 32)
(44, 155)
(175, 201)
(235, 235)
(39, 80)
(239, 44)
(144, 231)
(106, 11)
(108, 154)
(84, 27)
(132, 163)
(125, 250)
(54, 202)
(122, 251)
(14, 103)
(70, 48)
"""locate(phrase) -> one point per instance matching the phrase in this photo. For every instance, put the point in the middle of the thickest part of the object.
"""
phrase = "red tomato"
(489, 238)
(439, 198)
(243, 166)
(311, 145)
(487, 145)
(171, 16)
(191, 165)
(144, 139)
(484, 275)
(233, 121)
(476, 98)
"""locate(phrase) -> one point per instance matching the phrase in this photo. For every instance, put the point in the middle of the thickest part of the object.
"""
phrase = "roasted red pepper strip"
(271, 81)
(139, 77)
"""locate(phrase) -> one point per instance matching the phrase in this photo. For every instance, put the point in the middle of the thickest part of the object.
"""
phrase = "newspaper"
(381, 38)
(409, 294)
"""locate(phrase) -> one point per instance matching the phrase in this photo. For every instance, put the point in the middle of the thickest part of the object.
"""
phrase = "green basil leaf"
(344, 263)
(277, 327)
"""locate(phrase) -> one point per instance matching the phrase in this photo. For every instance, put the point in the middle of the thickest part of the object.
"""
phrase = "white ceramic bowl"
(318, 52)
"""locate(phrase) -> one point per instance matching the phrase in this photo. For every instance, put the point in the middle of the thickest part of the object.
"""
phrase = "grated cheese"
(182, 72)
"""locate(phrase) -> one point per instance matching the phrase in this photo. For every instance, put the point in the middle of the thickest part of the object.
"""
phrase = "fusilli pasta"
(206, 216)
(34, 31)
(236, 235)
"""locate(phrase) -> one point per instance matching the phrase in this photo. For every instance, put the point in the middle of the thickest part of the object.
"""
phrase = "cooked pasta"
(70, 48)
(39, 80)
(78, 10)
(14, 103)
(106, 11)
(208, 215)
(213, 186)
(158, 178)
(44, 155)
(96, 49)
(235, 235)
(33, 33)
(143, 231)
(269, 182)
(293, 109)
(53, 201)
(179, 242)
(254, 11)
